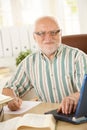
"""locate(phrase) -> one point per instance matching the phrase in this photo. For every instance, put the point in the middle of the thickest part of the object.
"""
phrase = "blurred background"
(16, 25)
(70, 13)
(17, 18)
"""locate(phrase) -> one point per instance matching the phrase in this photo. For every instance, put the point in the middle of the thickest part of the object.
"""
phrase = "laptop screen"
(82, 104)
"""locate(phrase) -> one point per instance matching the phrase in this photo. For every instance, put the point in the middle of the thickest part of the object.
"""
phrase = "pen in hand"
(15, 104)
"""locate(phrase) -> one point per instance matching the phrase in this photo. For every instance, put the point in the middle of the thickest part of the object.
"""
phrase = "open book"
(4, 99)
(30, 122)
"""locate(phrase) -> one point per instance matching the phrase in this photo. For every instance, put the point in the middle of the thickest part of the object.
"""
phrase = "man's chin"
(49, 52)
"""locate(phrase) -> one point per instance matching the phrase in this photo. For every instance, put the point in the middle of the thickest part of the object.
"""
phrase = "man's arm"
(15, 104)
(69, 103)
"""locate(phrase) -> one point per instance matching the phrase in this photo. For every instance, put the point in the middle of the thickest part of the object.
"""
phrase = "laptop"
(80, 115)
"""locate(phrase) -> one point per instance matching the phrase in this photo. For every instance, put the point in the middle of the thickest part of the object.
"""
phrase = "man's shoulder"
(33, 54)
(74, 49)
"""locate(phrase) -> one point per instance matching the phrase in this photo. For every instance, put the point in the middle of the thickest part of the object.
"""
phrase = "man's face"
(48, 36)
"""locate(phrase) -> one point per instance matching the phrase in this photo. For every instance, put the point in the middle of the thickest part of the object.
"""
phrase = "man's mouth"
(48, 42)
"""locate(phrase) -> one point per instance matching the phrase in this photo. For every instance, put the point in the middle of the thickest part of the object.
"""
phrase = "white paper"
(5, 124)
(16, 45)
(6, 42)
(1, 46)
(24, 38)
(26, 105)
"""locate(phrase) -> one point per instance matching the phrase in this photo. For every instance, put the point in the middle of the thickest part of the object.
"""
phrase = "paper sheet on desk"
(26, 105)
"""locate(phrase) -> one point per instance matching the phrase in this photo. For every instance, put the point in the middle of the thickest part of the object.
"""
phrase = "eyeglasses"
(51, 33)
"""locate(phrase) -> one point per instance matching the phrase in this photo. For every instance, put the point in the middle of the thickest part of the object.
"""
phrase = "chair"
(78, 41)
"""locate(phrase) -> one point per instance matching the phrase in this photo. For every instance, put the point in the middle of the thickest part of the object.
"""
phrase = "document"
(26, 105)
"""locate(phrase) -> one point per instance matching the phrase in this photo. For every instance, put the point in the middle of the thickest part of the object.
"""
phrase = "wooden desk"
(44, 107)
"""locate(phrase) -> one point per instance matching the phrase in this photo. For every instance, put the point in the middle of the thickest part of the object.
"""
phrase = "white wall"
(82, 7)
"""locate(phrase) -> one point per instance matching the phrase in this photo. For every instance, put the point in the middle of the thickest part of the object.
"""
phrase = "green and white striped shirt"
(52, 80)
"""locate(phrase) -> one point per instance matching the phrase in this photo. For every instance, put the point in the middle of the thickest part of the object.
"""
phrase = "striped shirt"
(52, 79)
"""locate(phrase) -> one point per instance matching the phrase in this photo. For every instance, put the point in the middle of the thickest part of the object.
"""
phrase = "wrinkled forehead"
(46, 24)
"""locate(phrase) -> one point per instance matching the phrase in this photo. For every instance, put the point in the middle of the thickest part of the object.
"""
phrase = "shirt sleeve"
(19, 82)
(81, 68)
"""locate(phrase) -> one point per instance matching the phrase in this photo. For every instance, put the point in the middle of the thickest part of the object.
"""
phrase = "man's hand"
(15, 104)
(69, 103)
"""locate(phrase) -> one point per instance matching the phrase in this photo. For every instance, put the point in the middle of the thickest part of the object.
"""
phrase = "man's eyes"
(51, 33)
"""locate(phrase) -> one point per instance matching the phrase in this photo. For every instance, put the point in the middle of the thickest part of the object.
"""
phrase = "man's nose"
(47, 36)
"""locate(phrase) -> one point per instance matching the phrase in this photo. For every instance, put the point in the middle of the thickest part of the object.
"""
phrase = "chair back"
(78, 41)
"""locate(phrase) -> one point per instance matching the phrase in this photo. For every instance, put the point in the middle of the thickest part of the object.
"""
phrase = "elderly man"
(55, 70)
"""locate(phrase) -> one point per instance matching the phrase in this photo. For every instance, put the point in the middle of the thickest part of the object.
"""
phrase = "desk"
(44, 107)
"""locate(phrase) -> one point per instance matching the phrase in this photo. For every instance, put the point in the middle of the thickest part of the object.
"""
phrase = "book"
(4, 99)
(4, 70)
(30, 121)
(1, 113)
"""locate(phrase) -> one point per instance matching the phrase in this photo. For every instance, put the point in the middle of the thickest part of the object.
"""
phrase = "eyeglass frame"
(51, 33)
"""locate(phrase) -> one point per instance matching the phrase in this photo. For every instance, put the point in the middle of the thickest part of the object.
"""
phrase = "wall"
(82, 7)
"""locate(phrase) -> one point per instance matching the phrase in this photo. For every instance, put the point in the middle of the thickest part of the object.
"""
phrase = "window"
(5, 13)
(22, 12)
(71, 17)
